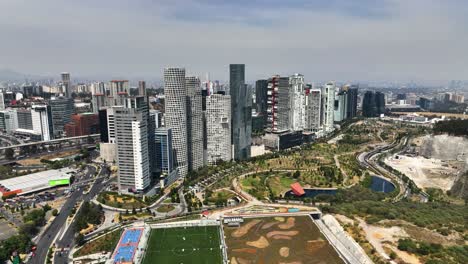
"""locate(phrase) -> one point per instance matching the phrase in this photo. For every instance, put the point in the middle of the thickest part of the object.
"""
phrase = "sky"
(376, 40)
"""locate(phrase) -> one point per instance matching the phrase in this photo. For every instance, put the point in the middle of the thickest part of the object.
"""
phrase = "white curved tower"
(176, 115)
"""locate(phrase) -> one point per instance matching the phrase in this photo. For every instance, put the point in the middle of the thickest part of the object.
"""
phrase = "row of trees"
(457, 127)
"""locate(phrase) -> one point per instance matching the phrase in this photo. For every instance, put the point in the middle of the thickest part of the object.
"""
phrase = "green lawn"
(194, 245)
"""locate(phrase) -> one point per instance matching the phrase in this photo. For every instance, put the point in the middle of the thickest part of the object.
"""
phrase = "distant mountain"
(11, 75)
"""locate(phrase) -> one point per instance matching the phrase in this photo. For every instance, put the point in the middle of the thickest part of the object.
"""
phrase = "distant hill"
(11, 75)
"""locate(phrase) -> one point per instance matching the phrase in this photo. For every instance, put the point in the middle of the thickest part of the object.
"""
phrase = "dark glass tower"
(351, 110)
(241, 105)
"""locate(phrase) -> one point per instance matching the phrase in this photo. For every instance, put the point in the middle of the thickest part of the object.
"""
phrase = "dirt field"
(426, 173)
(462, 116)
(279, 240)
(37, 161)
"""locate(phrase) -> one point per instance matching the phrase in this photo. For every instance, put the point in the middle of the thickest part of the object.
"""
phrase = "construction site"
(432, 161)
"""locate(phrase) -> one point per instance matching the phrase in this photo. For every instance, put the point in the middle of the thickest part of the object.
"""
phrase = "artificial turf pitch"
(184, 245)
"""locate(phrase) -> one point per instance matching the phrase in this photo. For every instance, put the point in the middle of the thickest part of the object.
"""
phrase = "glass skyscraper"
(241, 105)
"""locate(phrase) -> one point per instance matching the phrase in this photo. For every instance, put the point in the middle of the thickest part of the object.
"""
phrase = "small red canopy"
(297, 189)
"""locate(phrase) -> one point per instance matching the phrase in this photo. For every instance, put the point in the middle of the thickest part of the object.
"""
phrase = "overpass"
(51, 142)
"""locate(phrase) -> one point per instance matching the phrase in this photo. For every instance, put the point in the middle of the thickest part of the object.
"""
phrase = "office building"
(194, 123)
(8, 120)
(42, 121)
(351, 111)
(261, 97)
(66, 85)
(142, 88)
(2, 101)
(241, 112)
(278, 104)
(119, 90)
(380, 102)
(62, 109)
(328, 103)
(164, 159)
(313, 100)
(82, 125)
(24, 119)
(98, 94)
(297, 102)
(218, 124)
(176, 115)
(131, 125)
(373, 104)
(341, 106)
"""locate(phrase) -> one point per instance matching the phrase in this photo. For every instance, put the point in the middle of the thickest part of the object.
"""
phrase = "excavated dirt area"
(433, 161)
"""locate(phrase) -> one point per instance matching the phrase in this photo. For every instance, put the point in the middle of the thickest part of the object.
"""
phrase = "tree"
(9, 154)
(55, 212)
(80, 240)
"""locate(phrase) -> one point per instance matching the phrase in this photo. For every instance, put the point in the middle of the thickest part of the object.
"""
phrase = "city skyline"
(389, 40)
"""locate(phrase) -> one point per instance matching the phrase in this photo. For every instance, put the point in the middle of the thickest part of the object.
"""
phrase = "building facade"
(194, 123)
(62, 109)
(82, 125)
(328, 104)
(241, 112)
(42, 121)
(297, 115)
(132, 145)
(164, 158)
(278, 104)
(313, 100)
(66, 84)
(218, 123)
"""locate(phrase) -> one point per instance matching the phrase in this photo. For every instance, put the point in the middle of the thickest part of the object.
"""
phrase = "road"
(68, 239)
(366, 159)
(45, 242)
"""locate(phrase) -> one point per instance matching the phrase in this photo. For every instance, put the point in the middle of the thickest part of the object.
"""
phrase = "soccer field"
(184, 245)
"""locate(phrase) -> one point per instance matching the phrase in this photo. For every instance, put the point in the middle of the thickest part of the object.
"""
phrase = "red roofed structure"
(297, 189)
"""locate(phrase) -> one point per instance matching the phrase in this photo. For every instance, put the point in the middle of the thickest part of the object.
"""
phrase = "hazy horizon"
(324, 40)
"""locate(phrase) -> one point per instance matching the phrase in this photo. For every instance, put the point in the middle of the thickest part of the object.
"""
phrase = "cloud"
(338, 39)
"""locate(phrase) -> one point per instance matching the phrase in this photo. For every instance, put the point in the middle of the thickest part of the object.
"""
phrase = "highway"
(366, 160)
(68, 239)
(45, 242)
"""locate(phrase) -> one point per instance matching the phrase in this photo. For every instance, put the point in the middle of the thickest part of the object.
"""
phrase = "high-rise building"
(176, 115)
(278, 104)
(351, 111)
(297, 113)
(373, 104)
(66, 84)
(2, 101)
(341, 106)
(241, 112)
(380, 102)
(328, 103)
(103, 125)
(119, 90)
(142, 88)
(98, 93)
(62, 109)
(261, 97)
(164, 159)
(8, 120)
(42, 121)
(194, 123)
(131, 123)
(218, 120)
(82, 125)
(313, 101)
